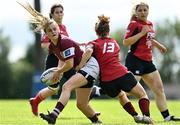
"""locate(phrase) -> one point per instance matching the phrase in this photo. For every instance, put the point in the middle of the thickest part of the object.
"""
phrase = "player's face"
(142, 12)
(52, 31)
(58, 14)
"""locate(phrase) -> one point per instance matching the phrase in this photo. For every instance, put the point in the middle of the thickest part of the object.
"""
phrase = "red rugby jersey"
(106, 52)
(143, 47)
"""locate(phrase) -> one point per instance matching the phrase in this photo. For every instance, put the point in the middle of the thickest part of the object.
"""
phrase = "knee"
(156, 85)
(159, 90)
(66, 88)
(123, 99)
(122, 96)
(143, 94)
(53, 90)
(139, 91)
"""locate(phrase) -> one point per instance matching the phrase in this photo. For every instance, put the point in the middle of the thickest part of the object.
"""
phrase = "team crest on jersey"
(150, 35)
(68, 52)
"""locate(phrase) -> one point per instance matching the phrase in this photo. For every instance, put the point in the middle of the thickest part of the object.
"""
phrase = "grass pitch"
(18, 112)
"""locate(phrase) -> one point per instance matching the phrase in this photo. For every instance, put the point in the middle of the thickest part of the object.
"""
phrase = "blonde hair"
(136, 4)
(37, 19)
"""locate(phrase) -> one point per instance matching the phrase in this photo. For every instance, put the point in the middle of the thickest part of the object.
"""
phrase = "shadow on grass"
(69, 118)
(80, 118)
(167, 123)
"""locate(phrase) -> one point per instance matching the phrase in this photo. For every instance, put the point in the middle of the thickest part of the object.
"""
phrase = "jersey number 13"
(108, 47)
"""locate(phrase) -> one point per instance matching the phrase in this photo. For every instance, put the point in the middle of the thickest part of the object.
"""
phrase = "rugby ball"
(47, 76)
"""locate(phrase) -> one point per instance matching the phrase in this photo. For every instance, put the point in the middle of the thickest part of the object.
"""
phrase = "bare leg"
(140, 93)
(125, 102)
(154, 82)
(123, 99)
(73, 83)
(82, 96)
(46, 92)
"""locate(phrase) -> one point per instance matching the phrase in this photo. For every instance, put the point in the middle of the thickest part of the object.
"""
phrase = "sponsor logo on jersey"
(68, 52)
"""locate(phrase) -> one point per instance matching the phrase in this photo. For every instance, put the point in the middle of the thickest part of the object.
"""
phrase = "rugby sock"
(94, 118)
(165, 113)
(144, 106)
(59, 107)
(38, 98)
(130, 109)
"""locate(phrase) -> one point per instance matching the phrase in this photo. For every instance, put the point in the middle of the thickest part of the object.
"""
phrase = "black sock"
(101, 91)
(59, 107)
(165, 113)
(94, 118)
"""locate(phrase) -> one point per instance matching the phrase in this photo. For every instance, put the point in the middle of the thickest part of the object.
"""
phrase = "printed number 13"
(108, 47)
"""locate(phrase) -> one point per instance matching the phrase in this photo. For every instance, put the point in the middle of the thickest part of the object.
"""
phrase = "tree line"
(16, 78)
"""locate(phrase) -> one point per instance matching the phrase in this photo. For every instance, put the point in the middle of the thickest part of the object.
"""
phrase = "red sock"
(144, 106)
(130, 109)
(38, 99)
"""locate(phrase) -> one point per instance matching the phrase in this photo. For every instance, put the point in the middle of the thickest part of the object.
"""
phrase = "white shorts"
(91, 68)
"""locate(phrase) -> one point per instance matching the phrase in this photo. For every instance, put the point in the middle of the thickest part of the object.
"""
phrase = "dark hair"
(102, 26)
(53, 9)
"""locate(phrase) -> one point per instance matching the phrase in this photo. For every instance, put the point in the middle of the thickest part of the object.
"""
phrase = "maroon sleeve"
(67, 48)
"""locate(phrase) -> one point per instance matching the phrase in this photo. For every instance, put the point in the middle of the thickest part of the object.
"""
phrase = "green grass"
(17, 112)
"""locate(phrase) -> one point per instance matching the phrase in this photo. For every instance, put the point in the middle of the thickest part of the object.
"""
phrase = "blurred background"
(22, 59)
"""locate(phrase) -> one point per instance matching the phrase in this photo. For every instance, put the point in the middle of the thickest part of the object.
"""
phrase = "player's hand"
(162, 49)
(56, 75)
(78, 67)
(144, 30)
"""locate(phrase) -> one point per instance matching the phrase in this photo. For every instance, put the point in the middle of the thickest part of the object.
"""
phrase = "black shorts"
(89, 78)
(138, 66)
(125, 83)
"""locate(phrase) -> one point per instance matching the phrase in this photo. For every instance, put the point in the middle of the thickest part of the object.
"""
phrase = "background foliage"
(16, 78)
